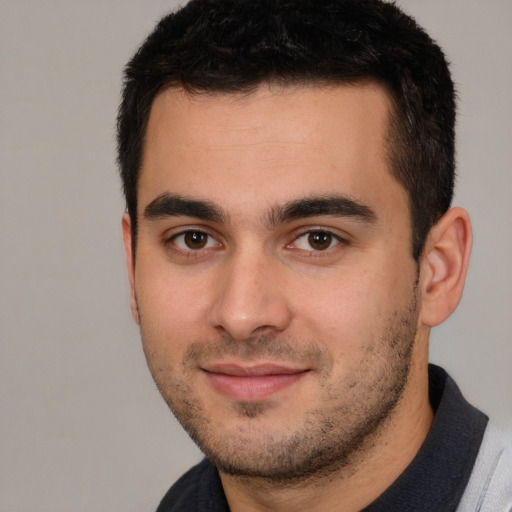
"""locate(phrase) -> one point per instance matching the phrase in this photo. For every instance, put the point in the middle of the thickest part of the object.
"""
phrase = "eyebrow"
(173, 205)
(332, 205)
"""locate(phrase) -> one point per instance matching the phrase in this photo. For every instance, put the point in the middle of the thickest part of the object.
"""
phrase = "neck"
(381, 461)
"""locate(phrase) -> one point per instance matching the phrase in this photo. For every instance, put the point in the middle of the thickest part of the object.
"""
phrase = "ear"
(130, 263)
(444, 266)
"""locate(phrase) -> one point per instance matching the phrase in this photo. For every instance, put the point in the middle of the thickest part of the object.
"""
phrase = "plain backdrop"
(82, 427)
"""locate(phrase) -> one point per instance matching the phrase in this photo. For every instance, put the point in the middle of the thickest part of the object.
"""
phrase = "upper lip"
(255, 370)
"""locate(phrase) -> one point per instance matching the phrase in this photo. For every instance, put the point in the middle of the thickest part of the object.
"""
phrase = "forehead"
(269, 146)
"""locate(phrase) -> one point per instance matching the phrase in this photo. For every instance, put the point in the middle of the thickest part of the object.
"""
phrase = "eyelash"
(191, 252)
(334, 241)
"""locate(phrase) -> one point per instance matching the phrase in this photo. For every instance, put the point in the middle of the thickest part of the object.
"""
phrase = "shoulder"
(198, 489)
(490, 487)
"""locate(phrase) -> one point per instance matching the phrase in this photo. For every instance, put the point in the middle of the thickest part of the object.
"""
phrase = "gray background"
(82, 427)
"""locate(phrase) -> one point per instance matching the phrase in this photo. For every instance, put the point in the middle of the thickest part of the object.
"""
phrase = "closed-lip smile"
(252, 383)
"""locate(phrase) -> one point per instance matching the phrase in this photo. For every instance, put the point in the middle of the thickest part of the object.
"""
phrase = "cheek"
(347, 313)
(340, 308)
(173, 309)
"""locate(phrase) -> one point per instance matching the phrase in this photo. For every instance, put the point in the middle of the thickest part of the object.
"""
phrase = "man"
(288, 167)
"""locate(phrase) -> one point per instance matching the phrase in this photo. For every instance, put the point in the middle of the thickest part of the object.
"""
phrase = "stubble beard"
(333, 435)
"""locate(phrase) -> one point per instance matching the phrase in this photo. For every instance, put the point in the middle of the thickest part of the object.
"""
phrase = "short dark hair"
(229, 46)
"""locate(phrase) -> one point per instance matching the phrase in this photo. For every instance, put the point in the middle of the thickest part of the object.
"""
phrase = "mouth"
(252, 383)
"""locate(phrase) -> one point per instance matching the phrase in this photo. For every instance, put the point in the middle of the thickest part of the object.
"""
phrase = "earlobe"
(444, 266)
(130, 263)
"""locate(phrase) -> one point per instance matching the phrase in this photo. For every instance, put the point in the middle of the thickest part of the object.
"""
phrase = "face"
(274, 283)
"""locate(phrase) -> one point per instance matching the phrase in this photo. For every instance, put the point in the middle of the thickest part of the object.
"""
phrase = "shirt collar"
(438, 475)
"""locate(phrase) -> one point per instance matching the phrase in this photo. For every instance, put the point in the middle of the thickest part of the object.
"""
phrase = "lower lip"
(252, 388)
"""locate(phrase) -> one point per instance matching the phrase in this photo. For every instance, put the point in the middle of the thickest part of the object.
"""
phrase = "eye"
(316, 241)
(194, 240)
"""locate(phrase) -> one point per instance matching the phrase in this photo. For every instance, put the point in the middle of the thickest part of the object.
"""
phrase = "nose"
(251, 297)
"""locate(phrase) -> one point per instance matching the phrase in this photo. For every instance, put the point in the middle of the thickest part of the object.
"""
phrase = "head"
(235, 46)
(287, 166)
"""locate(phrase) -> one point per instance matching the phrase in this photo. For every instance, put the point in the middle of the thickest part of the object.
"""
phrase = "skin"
(329, 302)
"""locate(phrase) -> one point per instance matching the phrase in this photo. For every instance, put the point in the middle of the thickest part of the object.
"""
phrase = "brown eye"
(195, 239)
(193, 242)
(315, 241)
(320, 240)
